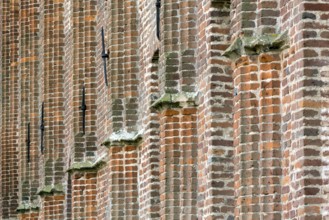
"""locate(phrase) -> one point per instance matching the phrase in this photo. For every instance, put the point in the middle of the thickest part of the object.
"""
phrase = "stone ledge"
(51, 190)
(88, 165)
(27, 207)
(256, 45)
(122, 138)
(179, 100)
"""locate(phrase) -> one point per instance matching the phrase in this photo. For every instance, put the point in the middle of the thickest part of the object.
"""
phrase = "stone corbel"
(27, 207)
(242, 46)
(123, 138)
(51, 190)
(178, 100)
(88, 165)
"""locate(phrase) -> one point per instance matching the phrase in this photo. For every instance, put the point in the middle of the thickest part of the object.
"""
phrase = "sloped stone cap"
(123, 137)
(88, 165)
(256, 45)
(181, 99)
(51, 189)
(26, 207)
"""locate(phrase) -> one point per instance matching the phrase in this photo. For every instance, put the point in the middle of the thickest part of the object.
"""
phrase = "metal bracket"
(42, 127)
(158, 7)
(83, 108)
(104, 56)
(28, 142)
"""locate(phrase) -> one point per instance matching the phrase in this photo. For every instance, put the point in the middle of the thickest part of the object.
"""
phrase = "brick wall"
(10, 110)
(178, 159)
(123, 182)
(303, 105)
(149, 194)
(257, 138)
(29, 102)
(221, 116)
(215, 122)
(1, 110)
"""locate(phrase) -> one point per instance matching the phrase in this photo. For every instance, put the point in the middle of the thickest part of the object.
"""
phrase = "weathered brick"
(222, 116)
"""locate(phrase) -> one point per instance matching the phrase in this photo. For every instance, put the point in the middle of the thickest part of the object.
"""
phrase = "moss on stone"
(164, 99)
(27, 207)
(123, 137)
(175, 100)
(81, 165)
(58, 188)
(256, 45)
(51, 189)
(87, 165)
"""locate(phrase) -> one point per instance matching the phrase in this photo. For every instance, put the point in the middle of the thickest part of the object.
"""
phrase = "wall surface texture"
(164, 109)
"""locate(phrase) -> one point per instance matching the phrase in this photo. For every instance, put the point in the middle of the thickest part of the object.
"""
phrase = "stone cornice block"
(242, 46)
(176, 100)
(51, 190)
(27, 207)
(123, 137)
(86, 166)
